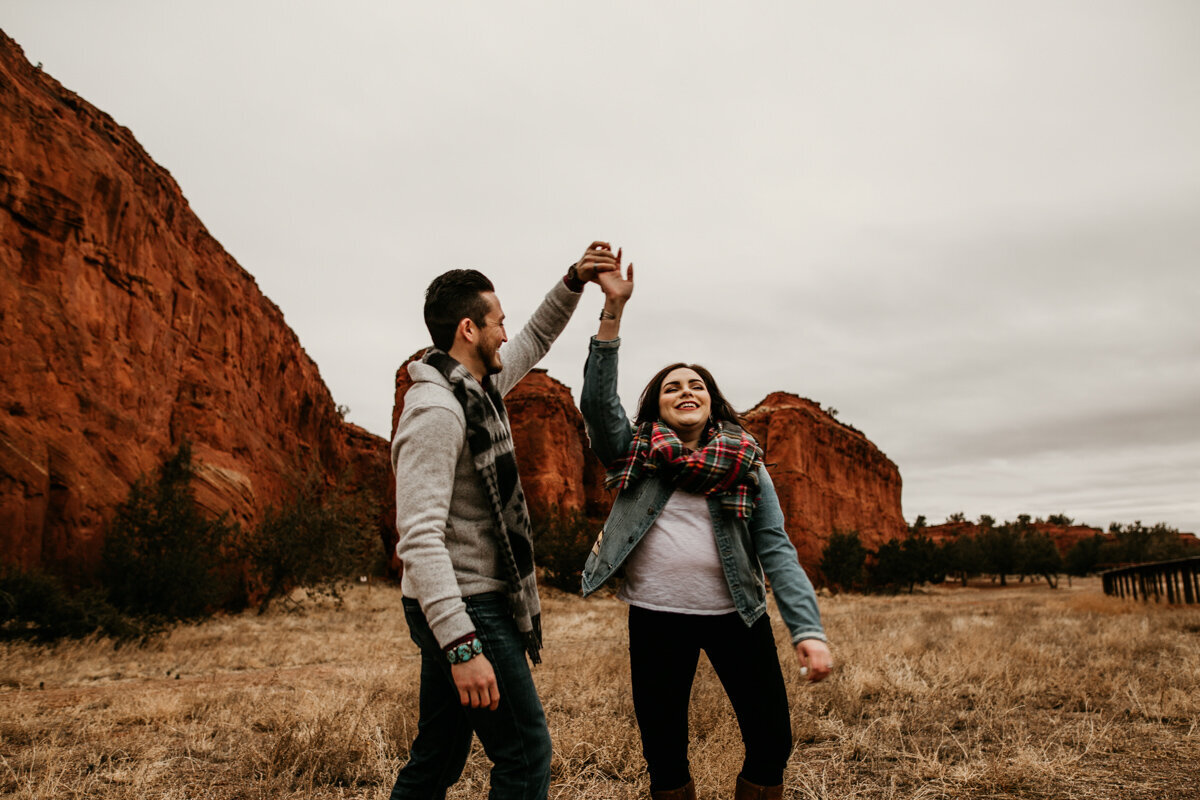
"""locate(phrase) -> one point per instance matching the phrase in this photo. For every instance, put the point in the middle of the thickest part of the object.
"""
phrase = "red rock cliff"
(125, 328)
(829, 476)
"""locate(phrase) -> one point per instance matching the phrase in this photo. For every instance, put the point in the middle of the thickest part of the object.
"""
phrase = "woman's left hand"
(814, 654)
(616, 288)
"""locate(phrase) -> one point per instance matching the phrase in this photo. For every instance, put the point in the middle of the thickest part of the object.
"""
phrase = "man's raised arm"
(529, 346)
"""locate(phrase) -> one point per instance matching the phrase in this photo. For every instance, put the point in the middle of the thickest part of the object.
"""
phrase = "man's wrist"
(572, 279)
(463, 649)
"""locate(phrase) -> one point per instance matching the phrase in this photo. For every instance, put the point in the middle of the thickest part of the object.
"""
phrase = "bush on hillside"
(842, 561)
(322, 537)
(1084, 555)
(963, 558)
(162, 558)
(1136, 544)
(36, 605)
(561, 543)
(1038, 555)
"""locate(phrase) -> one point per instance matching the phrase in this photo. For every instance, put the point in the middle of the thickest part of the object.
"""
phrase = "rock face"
(829, 476)
(550, 440)
(125, 328)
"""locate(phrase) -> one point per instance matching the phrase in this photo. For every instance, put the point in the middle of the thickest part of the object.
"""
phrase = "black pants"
(664, 650)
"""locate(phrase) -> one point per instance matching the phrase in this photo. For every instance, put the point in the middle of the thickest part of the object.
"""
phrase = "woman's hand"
(617, 291)
(814, 655)
(615, 287)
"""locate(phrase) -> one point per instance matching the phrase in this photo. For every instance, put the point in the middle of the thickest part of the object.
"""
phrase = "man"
(470, 593)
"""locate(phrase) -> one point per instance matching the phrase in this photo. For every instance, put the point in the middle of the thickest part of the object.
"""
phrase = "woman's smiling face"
(683, 402)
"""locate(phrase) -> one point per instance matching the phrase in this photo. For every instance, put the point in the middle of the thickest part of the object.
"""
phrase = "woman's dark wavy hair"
(648, 403)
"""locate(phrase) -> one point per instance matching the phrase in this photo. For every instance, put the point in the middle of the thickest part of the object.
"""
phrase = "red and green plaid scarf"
(725, 466)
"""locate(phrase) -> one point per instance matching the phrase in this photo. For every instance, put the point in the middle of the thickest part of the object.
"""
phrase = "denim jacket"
(746, 547)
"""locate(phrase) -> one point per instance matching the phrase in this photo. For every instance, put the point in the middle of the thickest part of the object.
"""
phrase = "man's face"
(491, 335)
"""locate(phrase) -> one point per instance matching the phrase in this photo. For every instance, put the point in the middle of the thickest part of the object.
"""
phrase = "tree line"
(1019, 549)
(163, 561)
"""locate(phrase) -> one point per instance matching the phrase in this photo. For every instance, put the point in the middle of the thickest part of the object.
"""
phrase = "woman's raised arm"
(617, 291)
(607, 424)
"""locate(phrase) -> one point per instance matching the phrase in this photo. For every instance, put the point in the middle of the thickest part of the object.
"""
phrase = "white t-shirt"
(676, 567)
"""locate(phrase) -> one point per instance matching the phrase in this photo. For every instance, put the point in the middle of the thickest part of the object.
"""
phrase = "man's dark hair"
(453, 296)
(648, 403)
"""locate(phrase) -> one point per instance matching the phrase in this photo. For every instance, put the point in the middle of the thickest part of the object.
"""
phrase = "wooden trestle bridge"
(1175, 581)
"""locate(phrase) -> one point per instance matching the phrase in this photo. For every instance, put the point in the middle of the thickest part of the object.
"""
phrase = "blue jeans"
(514, 736)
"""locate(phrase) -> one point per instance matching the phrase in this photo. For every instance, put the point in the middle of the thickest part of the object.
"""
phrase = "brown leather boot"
(752, 791)
(685, 792)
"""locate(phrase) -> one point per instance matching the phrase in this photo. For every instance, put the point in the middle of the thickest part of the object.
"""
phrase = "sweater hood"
(420, 372)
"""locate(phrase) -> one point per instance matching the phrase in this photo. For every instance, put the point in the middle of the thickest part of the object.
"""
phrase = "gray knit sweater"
(442, 510)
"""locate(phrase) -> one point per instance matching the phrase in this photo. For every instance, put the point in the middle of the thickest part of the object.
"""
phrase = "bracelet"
(464, 652)
(606, 314)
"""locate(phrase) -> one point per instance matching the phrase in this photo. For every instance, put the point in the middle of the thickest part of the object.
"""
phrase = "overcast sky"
(973, 228)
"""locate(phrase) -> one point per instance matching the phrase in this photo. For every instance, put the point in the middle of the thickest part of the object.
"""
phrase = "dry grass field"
(966, 693)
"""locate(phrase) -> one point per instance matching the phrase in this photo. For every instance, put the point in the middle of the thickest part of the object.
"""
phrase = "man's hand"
(476, 683)
(814, 654)
(597, 260)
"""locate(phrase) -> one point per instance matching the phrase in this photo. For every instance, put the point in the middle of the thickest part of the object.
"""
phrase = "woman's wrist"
(612, 306)
(610, 319)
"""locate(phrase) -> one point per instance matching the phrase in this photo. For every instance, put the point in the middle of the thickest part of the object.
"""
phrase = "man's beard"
(491, 360)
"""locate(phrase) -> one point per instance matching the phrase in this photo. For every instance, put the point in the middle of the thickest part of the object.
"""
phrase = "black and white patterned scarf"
(489, 437)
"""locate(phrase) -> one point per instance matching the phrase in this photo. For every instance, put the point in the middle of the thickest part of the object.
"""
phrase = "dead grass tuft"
(1023, 692)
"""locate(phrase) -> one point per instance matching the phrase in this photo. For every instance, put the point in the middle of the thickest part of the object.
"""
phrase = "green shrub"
(1038, 555)
(963, 557)
(322, 537)
(561, 543)
(1084, 555)
(161, 557)
(999, 551)
(36, 605)
(891, 569)
(842, 560)
(1137, 544)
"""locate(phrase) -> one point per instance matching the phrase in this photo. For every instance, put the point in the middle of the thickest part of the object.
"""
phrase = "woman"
(695, 524)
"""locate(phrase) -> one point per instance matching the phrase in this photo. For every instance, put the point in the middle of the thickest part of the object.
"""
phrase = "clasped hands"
(597, 260)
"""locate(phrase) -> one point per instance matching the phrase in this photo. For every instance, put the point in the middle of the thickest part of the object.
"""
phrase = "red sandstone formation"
(552, 447)
(829, 476)
(126, 328)
(949, 531)
(1064, 536)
